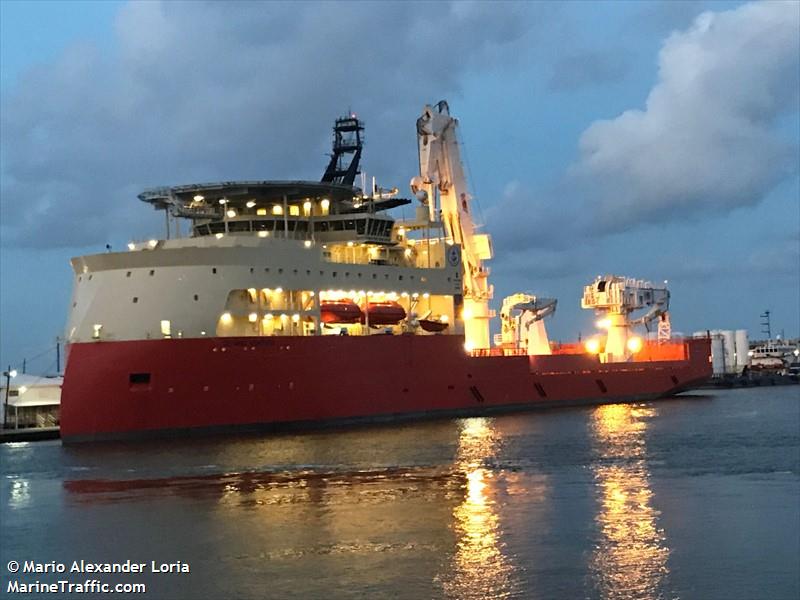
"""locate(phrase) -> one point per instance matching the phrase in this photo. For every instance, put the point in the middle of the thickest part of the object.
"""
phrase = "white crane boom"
(442, 186)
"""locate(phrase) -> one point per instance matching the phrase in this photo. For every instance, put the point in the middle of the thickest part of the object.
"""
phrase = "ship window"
(323, 226)
(152, 272)
(374, 276)
(360, 226)
(13, 392)
(90, 277)
(139, 378)
(252, 269)
(301, 226)
(295, 271)
(334, 273)
(266, 269)
(400, 278)
(359, 275)
(350, 224)
(308, 271)
(196, 297)
(128, 274)
(214, 270)
(135, 299)
(280, 271)
(347, 274)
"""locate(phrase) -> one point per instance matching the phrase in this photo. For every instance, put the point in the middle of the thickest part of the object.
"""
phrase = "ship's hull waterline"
(125, 389)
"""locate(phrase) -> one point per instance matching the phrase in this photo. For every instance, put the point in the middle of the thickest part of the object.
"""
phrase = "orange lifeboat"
(384, 313)
(340, 311)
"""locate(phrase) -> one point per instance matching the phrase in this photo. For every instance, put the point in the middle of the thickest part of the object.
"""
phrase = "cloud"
(707, 140)
(711, 138)
(210, 91)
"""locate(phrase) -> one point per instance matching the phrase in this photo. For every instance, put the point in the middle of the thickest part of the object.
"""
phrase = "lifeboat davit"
(384, 313)
(340, 311)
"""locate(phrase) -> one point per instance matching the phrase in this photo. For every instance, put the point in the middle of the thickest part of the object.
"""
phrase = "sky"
(657, 140)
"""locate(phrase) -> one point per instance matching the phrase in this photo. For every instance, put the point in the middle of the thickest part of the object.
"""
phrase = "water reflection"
(630, 558)
(18, 494)
(480, 567)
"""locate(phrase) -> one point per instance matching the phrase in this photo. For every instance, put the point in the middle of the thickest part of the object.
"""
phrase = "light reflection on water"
(480, 567)
(630, 558)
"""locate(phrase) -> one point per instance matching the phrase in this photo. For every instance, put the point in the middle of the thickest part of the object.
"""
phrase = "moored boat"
(273, 312)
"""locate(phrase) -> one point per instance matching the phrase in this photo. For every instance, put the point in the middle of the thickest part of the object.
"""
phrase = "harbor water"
(687, 498)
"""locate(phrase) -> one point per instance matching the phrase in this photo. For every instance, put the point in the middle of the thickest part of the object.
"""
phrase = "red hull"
(129, 388)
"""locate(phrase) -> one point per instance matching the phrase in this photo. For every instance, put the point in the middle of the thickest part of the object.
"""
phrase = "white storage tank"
(729, 345)
(742, 349)
(717, 353)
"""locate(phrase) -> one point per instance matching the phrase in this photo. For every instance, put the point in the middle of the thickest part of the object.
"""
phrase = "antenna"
(765, 326)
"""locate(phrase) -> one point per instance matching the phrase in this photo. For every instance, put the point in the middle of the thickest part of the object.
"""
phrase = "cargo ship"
(301, 304)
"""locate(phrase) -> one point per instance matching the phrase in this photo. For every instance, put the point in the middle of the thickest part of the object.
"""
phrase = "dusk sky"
(658, 140)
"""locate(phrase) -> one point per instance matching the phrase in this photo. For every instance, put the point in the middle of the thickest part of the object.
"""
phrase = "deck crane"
(523, 322)
(442, 188)
(614, 298)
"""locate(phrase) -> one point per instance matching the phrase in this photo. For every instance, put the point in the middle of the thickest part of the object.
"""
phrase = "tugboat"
(273, 312)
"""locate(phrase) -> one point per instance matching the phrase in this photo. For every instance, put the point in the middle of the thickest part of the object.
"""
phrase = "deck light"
(278, 290)
(226, 317)
(295, 317)
(152, 243)
(261, 212)
(131, 246)
(426, 295)
(22, 389)
(219, 236)
(469, 346)
(223, 201)
(603, 323)
(349, 244)
(231, 213)
(307, 208)
(635, 344)
(268, 317)
(592, 346)
(277, 209)
(307, 243)
(198, 198)
(250, 203)
(263, 234)
(252, 317)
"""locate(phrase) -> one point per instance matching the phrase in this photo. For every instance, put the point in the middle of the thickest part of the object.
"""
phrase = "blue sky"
(644, 139)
